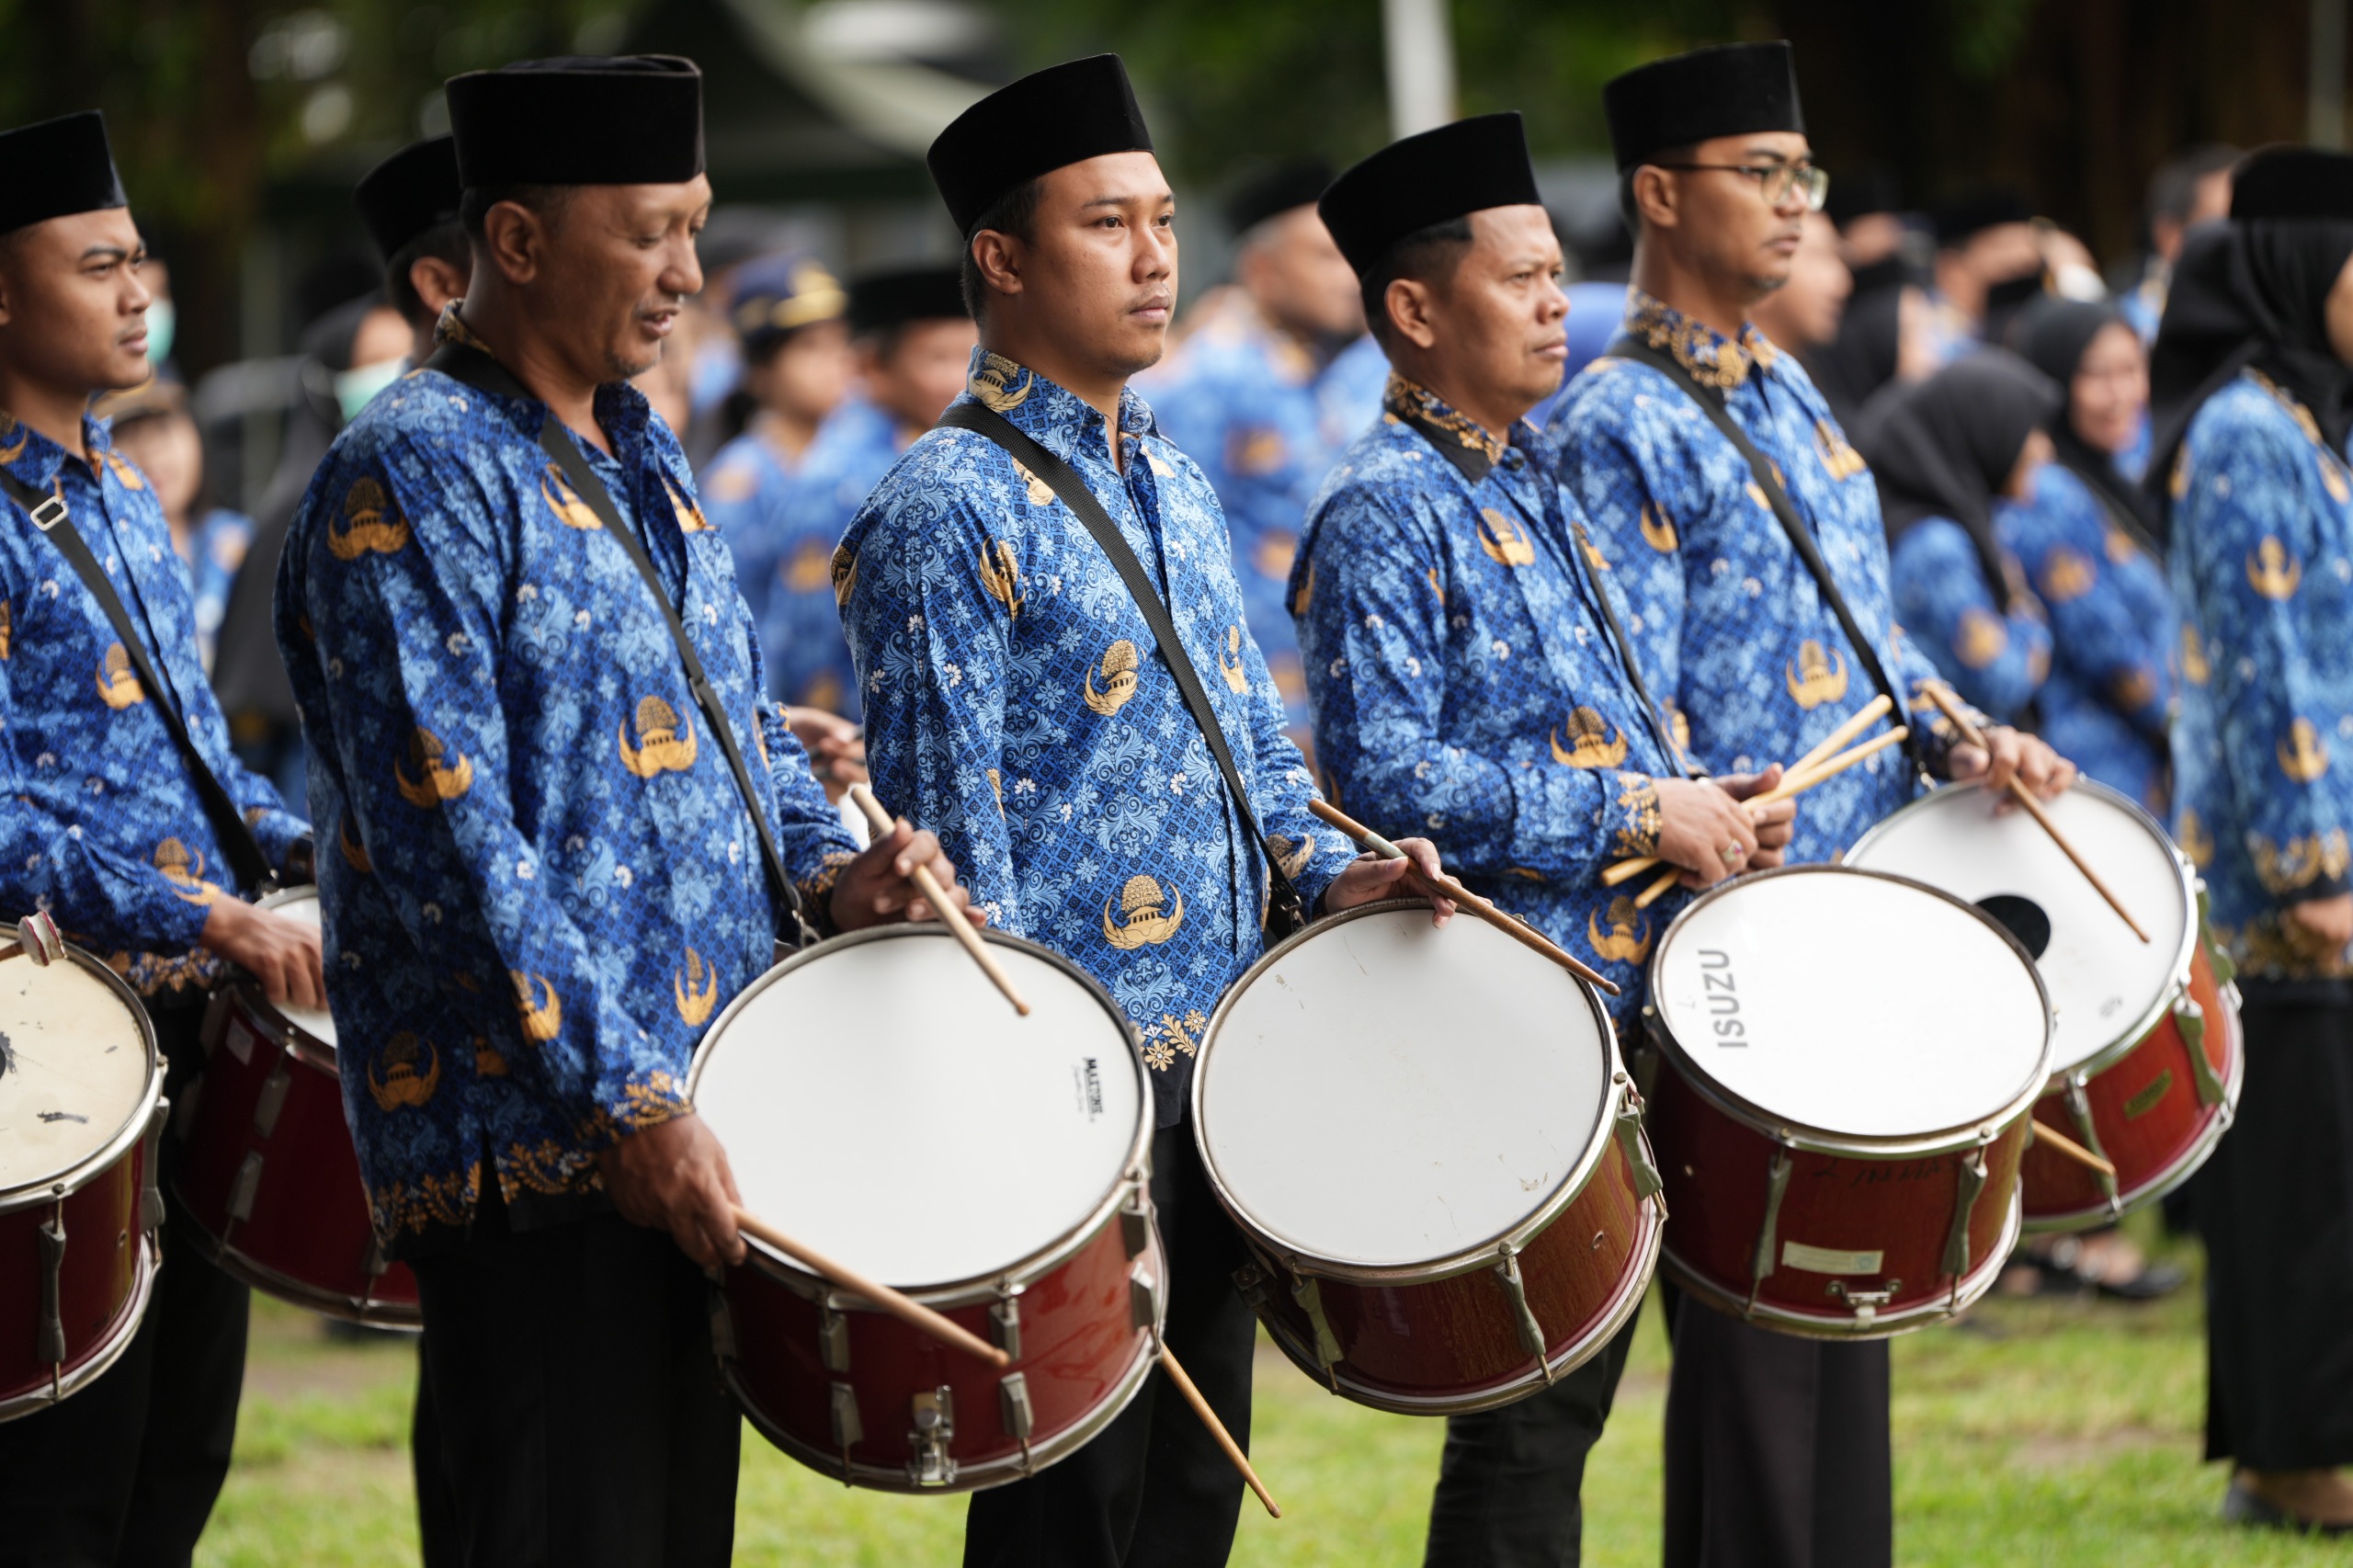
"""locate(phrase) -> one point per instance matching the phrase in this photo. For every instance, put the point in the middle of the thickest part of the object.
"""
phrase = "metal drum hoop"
(132, 1131)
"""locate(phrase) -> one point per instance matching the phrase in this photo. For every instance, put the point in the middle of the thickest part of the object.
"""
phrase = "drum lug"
(215, 1026)
(1310, 1297)
(1532, 1333)
(51, 1338)
(1004, 1319)
(272, 1099)
(2079, 1106)
(1013, 1410)
(1135, 1222)
(375, 1264)
(150, 1171)
(847, 1429)
(2218, 957)
(1969, 1176)
(722, 1326)
(1760, 1262)
(935, 1428)
(1251, 1281)
(1143, 1301)
(246, 1188)
(1866, 1303)
(2190, 1019)
(833, 1339)
(1636, 1147)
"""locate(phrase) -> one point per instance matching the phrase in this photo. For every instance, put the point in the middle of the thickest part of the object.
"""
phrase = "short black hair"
(1014, 214)
(444, 242)
(2173, 191)
(1421, 255)
(547, 200)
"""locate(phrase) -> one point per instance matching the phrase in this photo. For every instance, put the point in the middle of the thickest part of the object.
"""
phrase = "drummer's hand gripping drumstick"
(950, 915)
(36, 939)
(1796, 781)
(1241, 1460)
(913, 1313)
(1971, 735)
(2063, 1144)
(1520, 931)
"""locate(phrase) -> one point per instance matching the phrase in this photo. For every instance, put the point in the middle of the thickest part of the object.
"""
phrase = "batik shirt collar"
(1462, 440)
(38, 460)
(1710, 358)
(1056, 418)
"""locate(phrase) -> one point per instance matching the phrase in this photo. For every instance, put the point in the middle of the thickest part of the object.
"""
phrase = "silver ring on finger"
(1732, 854)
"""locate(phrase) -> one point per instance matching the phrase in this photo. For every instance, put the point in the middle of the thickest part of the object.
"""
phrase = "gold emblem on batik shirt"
(2331, 479)
(119, 684)
(2272, 572)
(1504, 539)
(437, 781)
(1255, 450)
(845, 573)
(542, 1012)
(1980, 638)
(694, 989)
(993, 383)
(402, 1084)
(2195, 841)
(2284, 869)
(1592, 744)
(2194, 669)
(2119, 547)
(1277, 549)
(1001, 576)
(2304, 757)
(1658, 529)
(1306, 595)
(1171, 1035)
(1593, 556)
(1839, 461)
(1678, 725)
(996, 788)
(1436, 586)
(7, 629)
(1119, 669)
(2177, 482)
(2067, 575)
(355, 854)
(1236, 673)
(1041, 493)
(684, 507)
(1141, 922)
(2133, 687)
(128, 476)
(14, 448)
(1628, 940)
(370, 526)
(660, 747)
(175, 865)
(565, 502)
(811, 568)
(1289, 860)
(1818, 677)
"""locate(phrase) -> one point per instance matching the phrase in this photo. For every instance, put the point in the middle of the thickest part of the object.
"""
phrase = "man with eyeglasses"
(1777, 1446)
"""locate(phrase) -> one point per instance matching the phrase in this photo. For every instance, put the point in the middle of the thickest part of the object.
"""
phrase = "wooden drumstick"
(1447, 887)
(950, 915)
(1877, 708)
(1795, 783)
(913, 1313)
(1971, 734)
(36, 939)
(2061, 1143)
(1241, 1462)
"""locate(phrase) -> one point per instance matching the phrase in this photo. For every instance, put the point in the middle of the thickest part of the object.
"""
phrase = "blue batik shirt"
(1467, 687)
(854, 448)
(104, 829)
(2262, 563)
(538, 878)
(217, 547)
(1995, 648)
(1729, 625)
(757, 500)
(1266, 422)
(1015, 704)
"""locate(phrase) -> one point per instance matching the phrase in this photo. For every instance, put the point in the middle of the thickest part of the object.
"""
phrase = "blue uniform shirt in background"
(757, 501)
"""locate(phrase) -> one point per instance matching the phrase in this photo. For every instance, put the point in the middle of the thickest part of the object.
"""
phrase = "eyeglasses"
(1778, 181)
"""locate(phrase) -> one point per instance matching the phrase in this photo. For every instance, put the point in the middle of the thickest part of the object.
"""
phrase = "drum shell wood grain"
(1447, 1346)
(1717, 1170)
(102, 1278)
(2156, 1146)
(308, 1239)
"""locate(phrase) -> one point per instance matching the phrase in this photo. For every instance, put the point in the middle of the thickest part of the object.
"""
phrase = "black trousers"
(1777, 1446)
(125, 1472)
(1153, 1490)
(2274, 1204)
(575, 1402)
(1508, 1487)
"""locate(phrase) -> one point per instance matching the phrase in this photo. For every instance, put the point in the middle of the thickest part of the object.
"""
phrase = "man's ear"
(1410, 303)
(1654, 198)
(999, 257)
(516, 238)
(436, 281)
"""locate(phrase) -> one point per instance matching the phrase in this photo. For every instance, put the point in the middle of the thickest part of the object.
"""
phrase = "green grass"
(2041, 1435)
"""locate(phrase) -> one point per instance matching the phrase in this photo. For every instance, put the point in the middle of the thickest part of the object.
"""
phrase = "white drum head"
(1385, 1094)
(303, 903)
(1851, 1004)
(2104, 981)
(74, 1069)
(880, 1101)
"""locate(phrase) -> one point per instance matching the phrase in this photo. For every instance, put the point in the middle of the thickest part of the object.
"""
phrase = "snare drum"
(2145, 1052)
(1427, 1139)
(267, 1170)
(81, 1109)
(882, 1103)
(1846, 1063)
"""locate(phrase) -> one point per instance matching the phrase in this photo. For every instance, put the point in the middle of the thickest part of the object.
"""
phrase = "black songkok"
(1957, 218)
(623, 120)
(880, 300)
(1408, 185)
(1049, 119)
(2293, 182)
(413, 190)
(1732, 89)
(57, 167)
(1297, 182)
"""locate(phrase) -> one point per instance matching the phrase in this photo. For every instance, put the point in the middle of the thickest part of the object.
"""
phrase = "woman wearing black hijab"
(2089, 543)
(2253, 399)
(1945, 452)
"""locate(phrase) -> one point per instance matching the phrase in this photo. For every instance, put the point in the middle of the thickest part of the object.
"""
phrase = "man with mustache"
(1015, 701)
(558, 854)
(109, 826)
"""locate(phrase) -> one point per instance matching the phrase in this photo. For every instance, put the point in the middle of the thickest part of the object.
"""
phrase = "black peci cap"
(57, 167)
(1729, 90)
(1062, 115)
(1956, 217)
(1295, 182)
(2293, 182)
(414, 189)
(619, 120)
(1451, 172)
(883, 300)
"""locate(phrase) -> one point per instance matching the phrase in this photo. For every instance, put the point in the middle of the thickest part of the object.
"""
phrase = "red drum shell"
(305, 1236)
